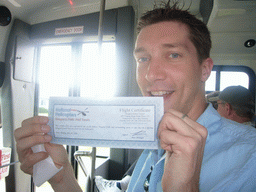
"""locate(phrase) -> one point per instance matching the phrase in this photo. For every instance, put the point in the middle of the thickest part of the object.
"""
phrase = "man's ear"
(228, 109)
(207, 66)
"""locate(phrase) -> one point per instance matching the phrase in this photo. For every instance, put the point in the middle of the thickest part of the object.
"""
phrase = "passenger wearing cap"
(235, 103)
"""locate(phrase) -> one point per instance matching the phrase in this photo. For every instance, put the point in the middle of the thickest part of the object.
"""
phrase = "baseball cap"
(213, 96)
(235, 95)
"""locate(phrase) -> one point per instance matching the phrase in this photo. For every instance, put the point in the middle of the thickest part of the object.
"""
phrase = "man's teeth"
(159, 93)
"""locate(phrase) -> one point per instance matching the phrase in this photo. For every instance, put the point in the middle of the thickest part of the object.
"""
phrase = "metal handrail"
(90, 175)
(78, 156)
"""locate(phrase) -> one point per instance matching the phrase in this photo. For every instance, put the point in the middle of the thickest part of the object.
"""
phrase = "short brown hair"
(199, 33)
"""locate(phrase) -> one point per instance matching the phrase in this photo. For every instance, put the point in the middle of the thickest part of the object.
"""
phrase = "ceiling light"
(249, 43)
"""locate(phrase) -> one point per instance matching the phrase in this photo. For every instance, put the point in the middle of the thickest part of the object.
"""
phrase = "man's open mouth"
(160, 93)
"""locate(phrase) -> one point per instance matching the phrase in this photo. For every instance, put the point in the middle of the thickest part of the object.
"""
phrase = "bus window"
(211, 82)
(98, 79)
(75, 70)
(224, 76)
(233, 78)
(55, 72)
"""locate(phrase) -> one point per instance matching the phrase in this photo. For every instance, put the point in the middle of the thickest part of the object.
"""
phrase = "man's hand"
(184, 141)
(33, 132)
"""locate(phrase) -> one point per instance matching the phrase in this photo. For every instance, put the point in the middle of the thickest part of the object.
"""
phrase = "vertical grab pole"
(93, 160)
(100, 29)
(100, 36)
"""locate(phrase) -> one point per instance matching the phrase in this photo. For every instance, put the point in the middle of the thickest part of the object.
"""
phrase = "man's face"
(168, 66)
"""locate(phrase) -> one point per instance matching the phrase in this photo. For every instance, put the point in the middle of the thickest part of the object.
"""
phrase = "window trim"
(234, 68)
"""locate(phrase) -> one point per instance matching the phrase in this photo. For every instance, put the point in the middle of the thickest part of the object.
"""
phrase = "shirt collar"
(210, 119)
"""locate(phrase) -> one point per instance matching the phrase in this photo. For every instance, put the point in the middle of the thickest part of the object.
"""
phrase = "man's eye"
(143, 59)
(174, 55)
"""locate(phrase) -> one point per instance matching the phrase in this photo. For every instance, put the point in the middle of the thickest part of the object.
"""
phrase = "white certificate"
(122, 122)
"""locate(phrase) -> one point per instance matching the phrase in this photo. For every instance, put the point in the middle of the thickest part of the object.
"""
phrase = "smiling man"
(168, 66)
(200, 150)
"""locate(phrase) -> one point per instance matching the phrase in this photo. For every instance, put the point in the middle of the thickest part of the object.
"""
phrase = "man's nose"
(155, 71)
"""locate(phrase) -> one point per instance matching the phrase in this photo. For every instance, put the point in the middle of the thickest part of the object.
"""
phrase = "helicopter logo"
(83, 113)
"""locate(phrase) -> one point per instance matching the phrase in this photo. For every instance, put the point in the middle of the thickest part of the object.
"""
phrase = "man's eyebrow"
(176, 45)
(165, 45)
(169, 45)
(139, 50)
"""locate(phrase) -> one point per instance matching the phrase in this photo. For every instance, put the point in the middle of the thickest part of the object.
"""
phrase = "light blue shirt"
(229, 162)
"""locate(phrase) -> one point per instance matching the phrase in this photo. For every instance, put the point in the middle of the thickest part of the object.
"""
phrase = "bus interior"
(50, 47)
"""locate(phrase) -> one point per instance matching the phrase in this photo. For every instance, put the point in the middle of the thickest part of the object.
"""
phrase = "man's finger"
(35, 120)
(193, 124)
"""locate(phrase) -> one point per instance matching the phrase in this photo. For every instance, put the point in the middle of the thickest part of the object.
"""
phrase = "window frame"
(74, 90)
(232, 68)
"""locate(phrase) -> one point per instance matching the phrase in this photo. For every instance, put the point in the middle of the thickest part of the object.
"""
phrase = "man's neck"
(240, 119)
(198, 109)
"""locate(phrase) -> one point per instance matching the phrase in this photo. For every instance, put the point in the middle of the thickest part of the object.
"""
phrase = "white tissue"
(43, 170)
